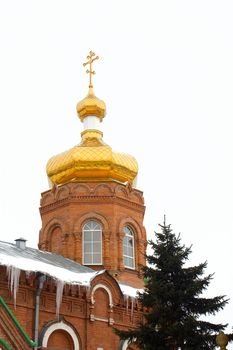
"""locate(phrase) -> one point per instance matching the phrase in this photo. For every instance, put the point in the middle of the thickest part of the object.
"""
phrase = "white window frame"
(83, 243)
(132, 235)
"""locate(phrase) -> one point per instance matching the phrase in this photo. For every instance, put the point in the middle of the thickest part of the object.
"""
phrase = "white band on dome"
(91, 122)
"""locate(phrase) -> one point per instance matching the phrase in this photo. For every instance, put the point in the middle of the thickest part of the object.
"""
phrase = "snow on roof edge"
(56, 272)
(130, 291)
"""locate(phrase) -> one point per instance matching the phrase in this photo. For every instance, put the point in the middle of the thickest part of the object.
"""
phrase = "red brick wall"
(60, 340)
(76, 309)
(65, 209)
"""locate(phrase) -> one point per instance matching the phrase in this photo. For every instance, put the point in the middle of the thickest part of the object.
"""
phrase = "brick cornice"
(92, 199)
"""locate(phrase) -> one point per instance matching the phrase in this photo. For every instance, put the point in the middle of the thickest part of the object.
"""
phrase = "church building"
(83, 280)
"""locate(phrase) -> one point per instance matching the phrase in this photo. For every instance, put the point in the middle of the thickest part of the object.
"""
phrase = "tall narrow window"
(92, 243)
(128, 248)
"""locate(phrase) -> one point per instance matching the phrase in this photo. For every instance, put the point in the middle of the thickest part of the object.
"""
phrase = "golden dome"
(91, 160)
(91, 106)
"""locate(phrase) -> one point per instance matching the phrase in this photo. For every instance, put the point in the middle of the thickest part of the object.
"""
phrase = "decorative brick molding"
(58, 326)
(100, 285)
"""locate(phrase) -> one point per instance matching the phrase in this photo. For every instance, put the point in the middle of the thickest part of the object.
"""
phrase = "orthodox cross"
(91, 58)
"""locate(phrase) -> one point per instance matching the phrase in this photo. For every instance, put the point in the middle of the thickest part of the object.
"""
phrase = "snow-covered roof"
(50, 264)
(61, 269)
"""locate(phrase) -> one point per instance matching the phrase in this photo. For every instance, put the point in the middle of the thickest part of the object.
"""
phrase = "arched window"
(92, 243)
(128, 248)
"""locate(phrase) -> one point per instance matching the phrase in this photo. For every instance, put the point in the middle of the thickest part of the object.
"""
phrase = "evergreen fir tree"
(173, 301)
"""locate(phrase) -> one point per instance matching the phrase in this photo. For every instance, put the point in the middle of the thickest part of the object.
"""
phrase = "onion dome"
(92, 159)
(91, 106)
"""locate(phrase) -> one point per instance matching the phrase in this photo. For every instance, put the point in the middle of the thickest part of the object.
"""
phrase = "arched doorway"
(60, 336)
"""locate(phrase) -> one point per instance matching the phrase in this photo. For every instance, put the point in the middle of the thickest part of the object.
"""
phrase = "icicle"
(132, 305)
(87, 290)
(127, 302)
(59, 293)
(13, 274)
(28, 274)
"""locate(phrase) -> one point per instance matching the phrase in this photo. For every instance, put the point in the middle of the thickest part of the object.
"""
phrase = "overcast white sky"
(166, 75)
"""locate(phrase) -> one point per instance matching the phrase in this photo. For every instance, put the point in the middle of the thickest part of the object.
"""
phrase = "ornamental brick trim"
(83, 200)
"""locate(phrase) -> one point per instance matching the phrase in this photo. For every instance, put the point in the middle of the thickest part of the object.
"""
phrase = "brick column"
(106, 250)
(78, 246)
(120, 252)
(64, 248)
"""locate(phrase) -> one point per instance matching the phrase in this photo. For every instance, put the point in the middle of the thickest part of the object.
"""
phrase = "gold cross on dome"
(91, 58)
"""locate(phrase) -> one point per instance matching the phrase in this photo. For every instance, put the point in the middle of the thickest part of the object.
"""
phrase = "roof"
(50, 264)
(61, 269)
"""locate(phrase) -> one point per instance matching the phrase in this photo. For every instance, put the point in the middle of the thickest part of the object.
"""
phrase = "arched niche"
(60, 334)
(102, 304)
(55, 240)
(51, 224)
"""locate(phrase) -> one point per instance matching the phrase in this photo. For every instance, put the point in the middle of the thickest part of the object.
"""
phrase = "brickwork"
(65, 209)
(88, 313)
